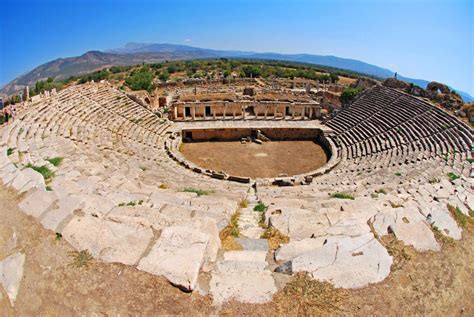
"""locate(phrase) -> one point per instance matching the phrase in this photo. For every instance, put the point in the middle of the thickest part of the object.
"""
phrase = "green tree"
(251, 71)
(140, 80)
(349, 94)
(172, 69)
(164, 75)
(334, 78)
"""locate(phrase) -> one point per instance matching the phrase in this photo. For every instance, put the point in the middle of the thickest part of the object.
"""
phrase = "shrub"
(398, 174)
(342, 196)
(164, 75)
(10, 151)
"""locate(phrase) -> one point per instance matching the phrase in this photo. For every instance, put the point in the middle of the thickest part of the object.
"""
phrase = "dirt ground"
(421, 284)
(257, 160)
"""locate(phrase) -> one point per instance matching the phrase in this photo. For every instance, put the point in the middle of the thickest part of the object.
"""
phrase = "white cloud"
(188, 40)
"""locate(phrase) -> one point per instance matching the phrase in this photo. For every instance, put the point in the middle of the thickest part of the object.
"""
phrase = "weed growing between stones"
(229, 232)
(342, 195)
(453, 177)
(164, 186)
(56, 161)
(463, 220)
(197, 191)
(275, 238)
(132, 203)
(260, 207)
(244, 203)
(80, 258)
(10, 151)
(440, 237)
(395, 205)
(43, 170)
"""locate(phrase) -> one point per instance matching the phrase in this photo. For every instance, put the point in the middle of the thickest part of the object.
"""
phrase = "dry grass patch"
(244, 203)
(230, 232)
(400, 252)
(275, 238)
(304, 296)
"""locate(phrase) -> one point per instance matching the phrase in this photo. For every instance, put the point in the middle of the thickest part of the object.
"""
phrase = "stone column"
(175, 112)
(213, 112)
(292, 108)
(243, 112)
(284, 111)
(266, 112)
(275, 111)
(310, 113)
(193, 112)
(225, 110)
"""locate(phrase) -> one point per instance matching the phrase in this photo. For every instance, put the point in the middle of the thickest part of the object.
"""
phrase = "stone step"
(246, 256)
(252, 232)
(232, 267)
(243, 286)
(253, 244)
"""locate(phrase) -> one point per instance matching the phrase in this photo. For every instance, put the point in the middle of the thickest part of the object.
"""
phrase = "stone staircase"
(249, 219)
(245, 275)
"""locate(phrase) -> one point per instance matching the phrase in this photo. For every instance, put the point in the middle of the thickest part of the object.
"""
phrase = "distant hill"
(136, 53)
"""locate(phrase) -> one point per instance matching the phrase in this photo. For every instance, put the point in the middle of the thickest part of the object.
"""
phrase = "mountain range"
(137, 53)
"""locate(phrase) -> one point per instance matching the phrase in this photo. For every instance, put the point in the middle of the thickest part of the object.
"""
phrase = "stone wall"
(244, 109)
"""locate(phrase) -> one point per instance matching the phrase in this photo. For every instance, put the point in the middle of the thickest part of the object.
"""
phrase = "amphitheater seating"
(119, 195)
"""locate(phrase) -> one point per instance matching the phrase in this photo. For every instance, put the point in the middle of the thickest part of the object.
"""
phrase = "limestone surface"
(178, 255)
(11, 274)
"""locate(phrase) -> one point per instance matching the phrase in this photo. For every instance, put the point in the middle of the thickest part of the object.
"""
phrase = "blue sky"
(432, 40)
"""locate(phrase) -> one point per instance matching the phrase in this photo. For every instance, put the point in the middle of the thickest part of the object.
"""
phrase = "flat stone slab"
(108, 241)
(440, 217)
(247, 256)
(417, 234)
(348, 262)
(36, 203)
(291, 250)
(177, 255)
(243, 286)
(11, 273)
(66, 206)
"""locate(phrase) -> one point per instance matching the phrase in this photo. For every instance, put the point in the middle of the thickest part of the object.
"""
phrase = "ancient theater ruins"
(192, 182)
